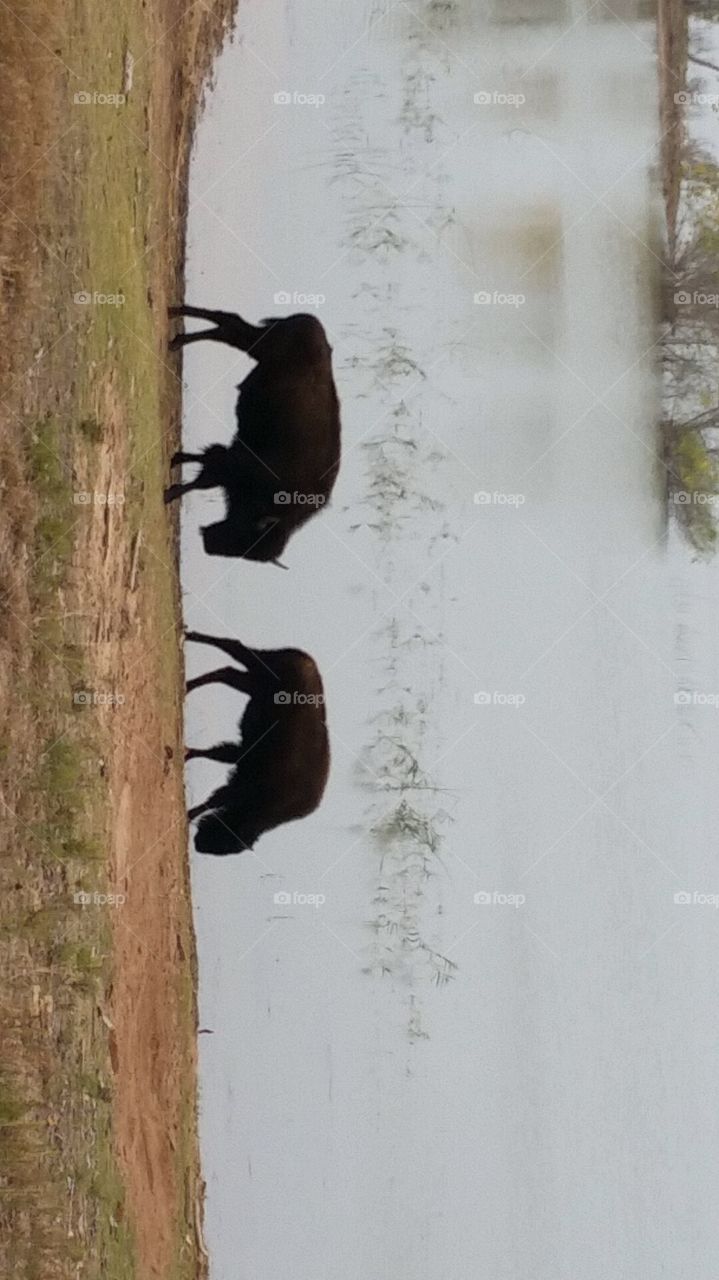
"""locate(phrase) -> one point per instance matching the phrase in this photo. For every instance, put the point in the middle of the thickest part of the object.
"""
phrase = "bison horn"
(279, 564)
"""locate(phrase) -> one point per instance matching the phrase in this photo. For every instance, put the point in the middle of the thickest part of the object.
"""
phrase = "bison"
(281, 763)
(282, 464)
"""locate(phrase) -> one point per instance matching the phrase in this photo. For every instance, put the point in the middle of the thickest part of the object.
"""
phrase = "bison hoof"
(174, 311)
(175, 344)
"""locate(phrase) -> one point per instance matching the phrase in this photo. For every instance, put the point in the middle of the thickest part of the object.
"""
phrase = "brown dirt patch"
(153, 1057)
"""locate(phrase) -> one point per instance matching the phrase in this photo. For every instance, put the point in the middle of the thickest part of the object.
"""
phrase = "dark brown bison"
(282, 464)
(281, 763)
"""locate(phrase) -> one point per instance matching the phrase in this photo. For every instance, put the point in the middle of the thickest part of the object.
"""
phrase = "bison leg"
(175, 491)
(178, 458)
(181, 340)
(224, 675)
(205, 479)
(202, 313)
(222, 796)
(198, 810)
(226, 753)
(233, 648)
(230, 328)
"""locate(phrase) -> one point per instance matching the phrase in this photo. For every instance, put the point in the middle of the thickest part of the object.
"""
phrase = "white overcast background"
(409, 1082)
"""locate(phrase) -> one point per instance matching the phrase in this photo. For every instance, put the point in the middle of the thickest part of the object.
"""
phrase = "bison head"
(223, 833)
(263, 538)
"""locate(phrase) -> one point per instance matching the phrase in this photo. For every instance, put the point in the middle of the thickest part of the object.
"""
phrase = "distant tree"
(707, 10)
